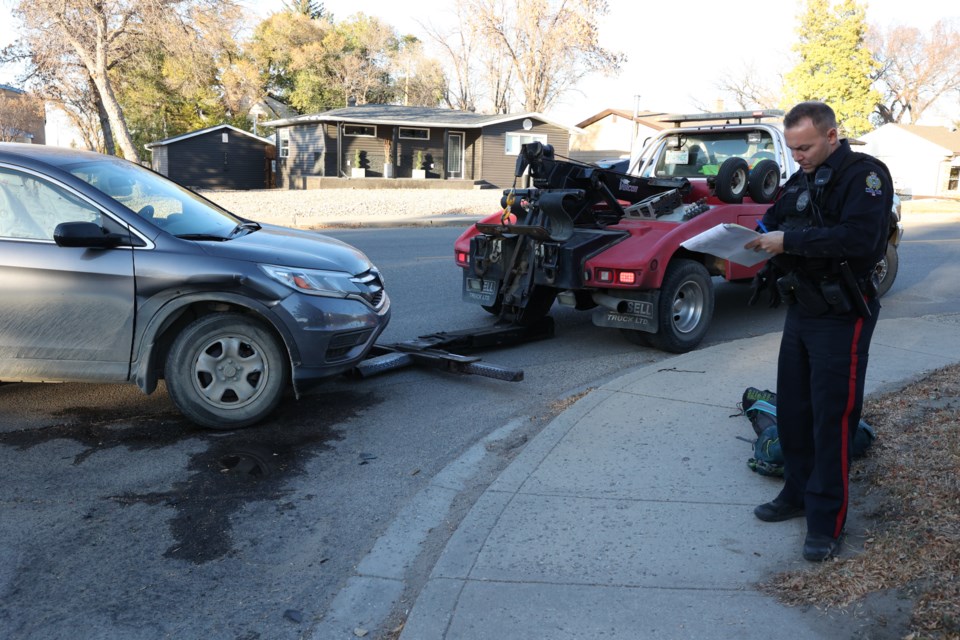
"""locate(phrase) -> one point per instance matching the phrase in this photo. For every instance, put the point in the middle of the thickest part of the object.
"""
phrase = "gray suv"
(110, 272)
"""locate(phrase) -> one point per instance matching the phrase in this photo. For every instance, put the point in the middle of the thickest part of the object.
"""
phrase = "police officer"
(827, 232)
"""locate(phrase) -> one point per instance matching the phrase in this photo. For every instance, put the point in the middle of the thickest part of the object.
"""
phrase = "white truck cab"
(697, 144)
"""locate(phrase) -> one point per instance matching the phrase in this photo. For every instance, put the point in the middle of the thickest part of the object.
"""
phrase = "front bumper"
(328, 336)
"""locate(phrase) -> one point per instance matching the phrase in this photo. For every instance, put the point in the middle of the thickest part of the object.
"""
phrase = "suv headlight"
(316, 282)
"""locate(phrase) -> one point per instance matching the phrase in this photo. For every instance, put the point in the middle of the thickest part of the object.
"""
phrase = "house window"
(954, 181)
(360, 130)
(284, 137)
(412, 133)
(224, 137)
(514, 140)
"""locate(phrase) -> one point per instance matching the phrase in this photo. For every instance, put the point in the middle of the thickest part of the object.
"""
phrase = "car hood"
(291, 248)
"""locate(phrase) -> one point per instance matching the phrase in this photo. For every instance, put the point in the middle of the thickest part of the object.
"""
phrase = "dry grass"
(913, 544)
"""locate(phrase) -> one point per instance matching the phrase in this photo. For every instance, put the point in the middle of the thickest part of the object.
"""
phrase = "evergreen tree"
(310, 8)
(834, 64)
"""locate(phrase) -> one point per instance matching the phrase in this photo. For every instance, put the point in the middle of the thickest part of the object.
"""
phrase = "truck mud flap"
(638, 313)
(480, 290)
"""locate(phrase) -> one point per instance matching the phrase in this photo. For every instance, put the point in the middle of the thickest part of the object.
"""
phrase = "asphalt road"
(122, 520)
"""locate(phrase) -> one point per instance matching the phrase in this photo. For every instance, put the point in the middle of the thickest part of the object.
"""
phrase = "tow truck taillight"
(615, 276)
(463, 258)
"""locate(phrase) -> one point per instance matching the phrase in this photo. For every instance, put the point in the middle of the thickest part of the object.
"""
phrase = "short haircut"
(820, 114)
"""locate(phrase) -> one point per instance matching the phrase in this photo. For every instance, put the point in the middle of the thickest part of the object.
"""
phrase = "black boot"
(819, 547)
(777, 510)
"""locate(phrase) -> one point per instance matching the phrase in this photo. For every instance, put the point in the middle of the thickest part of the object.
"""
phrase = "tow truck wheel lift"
(434, 350)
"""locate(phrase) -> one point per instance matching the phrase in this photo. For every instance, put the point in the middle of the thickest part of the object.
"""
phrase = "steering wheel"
(147, 213)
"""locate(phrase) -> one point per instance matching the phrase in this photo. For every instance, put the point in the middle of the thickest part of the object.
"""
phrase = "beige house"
(924, 160)
(606, 135)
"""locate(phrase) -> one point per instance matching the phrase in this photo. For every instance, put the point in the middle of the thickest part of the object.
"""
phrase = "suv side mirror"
(86, 234)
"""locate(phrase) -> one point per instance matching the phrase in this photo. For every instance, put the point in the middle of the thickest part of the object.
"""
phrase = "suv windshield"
(700, 153)
(153, 197)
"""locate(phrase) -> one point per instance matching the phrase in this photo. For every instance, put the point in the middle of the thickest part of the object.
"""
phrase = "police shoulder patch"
(874, 184)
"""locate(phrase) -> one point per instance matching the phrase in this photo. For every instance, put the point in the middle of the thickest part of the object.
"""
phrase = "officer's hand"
(771, 242)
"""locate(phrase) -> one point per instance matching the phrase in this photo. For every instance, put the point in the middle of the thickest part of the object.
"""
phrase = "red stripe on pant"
(845, 429)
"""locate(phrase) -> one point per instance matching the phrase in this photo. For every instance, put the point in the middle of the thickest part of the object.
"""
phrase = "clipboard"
(726, 240)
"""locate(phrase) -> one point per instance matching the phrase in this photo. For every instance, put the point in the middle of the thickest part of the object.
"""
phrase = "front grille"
(371, 286)
(342, 343)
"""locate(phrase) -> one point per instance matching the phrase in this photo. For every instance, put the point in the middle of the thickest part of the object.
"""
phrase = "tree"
(460, 85)
(194, 78)
(417, 78)
(361, 50)
(19, 114)
(550, 44)
(286, 47)
(99, 35)
(747, 88)
(310, 8)
(835, 66)
(915, 70)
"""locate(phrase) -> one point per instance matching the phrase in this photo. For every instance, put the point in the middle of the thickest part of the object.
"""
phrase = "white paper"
(726, 241)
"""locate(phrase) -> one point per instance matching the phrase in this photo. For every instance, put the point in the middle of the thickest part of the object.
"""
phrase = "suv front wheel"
(226, 371)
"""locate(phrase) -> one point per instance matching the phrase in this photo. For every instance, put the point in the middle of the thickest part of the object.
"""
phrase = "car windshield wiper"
(200, 236)
(244, 226)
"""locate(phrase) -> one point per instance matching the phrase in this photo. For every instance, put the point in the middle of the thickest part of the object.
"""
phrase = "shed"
(219, 157)
(924, 160)
(391, 141)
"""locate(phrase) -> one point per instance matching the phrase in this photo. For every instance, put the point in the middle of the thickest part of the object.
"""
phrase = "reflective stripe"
(845, 429)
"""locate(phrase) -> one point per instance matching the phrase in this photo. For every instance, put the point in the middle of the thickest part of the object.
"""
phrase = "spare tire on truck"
(731, 183)
(764, 181)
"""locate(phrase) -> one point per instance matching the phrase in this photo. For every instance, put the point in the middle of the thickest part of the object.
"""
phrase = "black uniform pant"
(820, 377)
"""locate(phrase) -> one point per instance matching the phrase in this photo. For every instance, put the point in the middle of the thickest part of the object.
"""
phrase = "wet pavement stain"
(237, 467)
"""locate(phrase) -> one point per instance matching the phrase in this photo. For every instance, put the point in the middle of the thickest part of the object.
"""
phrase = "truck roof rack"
(727, 116)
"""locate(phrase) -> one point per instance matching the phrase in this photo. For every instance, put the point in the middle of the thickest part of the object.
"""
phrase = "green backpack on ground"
(760, 407)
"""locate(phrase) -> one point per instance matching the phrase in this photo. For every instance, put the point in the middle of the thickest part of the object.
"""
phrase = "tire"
(686, 307)
(226, 371)
(887, 269)
(763, 182)
(732, 180)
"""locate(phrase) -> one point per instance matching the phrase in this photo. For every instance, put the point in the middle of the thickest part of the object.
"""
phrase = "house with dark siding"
(220, 157)
(387, 141)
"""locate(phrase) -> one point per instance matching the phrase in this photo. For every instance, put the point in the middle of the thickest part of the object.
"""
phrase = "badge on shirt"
(874, 185)
(803, 200)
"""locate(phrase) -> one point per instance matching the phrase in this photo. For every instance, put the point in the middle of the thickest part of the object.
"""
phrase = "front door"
(67, 313)
(454, 155)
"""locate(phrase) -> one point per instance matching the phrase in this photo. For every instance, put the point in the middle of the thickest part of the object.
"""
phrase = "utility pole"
(636, 114)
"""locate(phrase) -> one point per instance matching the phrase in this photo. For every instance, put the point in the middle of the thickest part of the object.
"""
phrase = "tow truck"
(612, 243)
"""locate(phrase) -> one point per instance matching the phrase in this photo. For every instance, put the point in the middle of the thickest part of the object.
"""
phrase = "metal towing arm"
(433, 351)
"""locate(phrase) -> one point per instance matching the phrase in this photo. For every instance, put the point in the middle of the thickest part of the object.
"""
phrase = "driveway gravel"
(319, 208)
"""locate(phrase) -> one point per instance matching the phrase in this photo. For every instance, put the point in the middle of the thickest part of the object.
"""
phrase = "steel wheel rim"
(688, 307)
(230, 372)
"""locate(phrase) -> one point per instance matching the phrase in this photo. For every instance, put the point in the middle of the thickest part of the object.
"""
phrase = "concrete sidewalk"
(631, 514)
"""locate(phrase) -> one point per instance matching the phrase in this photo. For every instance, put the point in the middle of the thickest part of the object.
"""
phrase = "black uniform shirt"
(854, 207)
